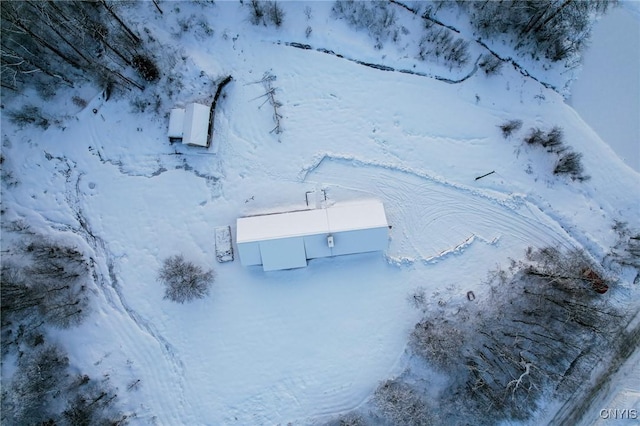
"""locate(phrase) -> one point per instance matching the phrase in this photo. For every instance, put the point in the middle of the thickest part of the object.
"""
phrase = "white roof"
(337, 218)
(196, 125)
(176, 123)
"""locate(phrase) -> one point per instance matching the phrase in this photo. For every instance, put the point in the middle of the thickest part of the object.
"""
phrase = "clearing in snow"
(304, 345)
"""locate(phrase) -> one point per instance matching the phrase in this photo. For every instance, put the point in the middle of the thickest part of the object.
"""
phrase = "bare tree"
(183, 280)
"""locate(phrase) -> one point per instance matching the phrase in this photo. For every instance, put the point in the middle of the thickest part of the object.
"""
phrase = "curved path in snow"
(431, 218)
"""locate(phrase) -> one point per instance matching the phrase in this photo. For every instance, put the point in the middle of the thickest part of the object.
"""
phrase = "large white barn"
(287, 240)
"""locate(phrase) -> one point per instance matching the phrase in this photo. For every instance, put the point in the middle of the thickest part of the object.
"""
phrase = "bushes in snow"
(183, 280)
(439, 341)
(376, 17)
(256, 12)
(490, 64)
(568, 163)
(439, 44)
(552, 140)
(399, 404)
(265, 13)
(394, 403)
(348, 419)
(571, 272)
(28, 115)
(275, 13)
(510, 126)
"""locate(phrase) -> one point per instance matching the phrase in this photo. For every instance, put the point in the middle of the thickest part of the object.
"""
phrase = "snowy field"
(302, 345)
(606, 93)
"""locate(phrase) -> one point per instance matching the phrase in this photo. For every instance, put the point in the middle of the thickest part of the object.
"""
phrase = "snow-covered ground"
(306, 344)
(607, 92)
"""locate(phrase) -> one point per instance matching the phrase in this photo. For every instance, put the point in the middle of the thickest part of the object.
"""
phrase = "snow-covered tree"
(183, 280)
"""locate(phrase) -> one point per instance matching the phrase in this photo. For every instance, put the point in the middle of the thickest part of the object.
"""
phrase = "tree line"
(54, 44)
(46, 284)
(555, 29)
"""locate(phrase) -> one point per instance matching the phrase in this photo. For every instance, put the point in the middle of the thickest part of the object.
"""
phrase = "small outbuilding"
(190, 125)
(287, 240)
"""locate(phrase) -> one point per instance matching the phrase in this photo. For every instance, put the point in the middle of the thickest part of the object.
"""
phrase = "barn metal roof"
(337, 218)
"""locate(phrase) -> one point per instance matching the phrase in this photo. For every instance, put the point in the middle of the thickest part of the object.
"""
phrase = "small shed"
(190, 125)
(287, 240)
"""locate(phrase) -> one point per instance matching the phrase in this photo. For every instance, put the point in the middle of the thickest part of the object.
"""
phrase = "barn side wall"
(249, 253)
(293, 252)
(316, 246)
(360, 241)
(284, 253)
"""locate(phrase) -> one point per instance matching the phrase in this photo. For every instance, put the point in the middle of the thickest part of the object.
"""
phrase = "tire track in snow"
(293, 391)
(105, 276)
(153, 165)
(102, 265)
(433, 219)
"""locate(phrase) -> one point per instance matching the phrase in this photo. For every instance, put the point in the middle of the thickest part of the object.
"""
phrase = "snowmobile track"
(432, 218)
